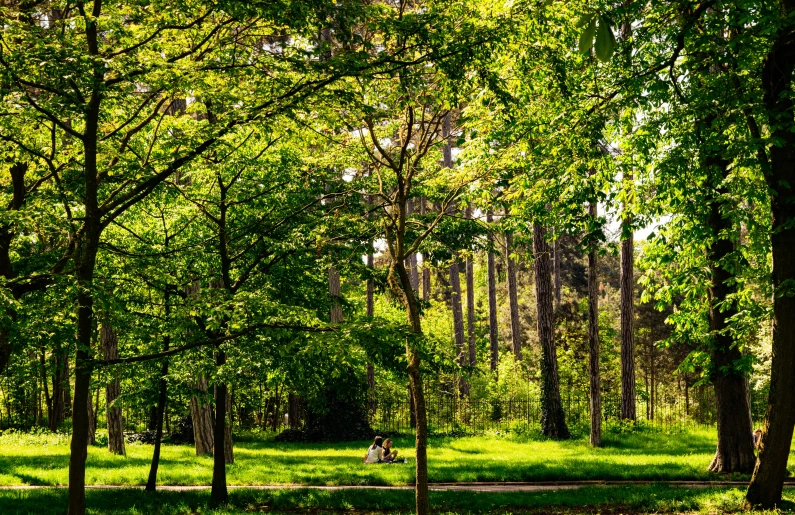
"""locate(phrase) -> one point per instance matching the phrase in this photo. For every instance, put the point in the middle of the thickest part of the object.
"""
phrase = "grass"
(656, 499)
(647, 454)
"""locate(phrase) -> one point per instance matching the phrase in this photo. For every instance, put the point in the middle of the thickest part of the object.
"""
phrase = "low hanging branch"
(212, 341)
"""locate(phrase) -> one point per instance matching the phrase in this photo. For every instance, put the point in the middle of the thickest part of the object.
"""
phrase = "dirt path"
(469, 487)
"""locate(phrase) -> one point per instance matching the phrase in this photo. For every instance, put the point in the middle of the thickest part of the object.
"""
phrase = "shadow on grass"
(647, 499)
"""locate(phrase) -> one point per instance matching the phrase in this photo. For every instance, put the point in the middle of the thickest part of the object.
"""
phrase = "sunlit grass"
(648, 455)
(635, 500)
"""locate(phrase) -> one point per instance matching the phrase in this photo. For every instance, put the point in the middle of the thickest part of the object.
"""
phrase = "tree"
(553, 420)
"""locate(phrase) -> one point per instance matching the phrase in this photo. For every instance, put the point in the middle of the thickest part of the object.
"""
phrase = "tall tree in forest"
(470, 284)
(494, 350)
(513, 298)
(595, 391)
(553, 420)
(110, 348)
(627, 310)
(777, 80)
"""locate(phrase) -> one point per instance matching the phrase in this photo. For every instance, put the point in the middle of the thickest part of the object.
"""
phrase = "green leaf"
(605, 41)
(586, 38)
(583, 21)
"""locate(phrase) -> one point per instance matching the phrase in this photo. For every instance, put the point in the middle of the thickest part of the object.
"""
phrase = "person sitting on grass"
(757, 438)
(389, 454)
(375, 453)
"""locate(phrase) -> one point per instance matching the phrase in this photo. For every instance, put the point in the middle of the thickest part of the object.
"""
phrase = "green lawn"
(656, 499)
(43, 460)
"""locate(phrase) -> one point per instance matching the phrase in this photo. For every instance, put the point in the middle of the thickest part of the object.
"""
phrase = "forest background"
(235, 211)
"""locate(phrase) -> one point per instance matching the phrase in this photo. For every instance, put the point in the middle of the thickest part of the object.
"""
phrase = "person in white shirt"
(375, 453)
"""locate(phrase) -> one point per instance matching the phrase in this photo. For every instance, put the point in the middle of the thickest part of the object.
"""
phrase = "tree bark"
(627, 308)
(151, 483)
(334, 289)
(513, 300)
(458, 322)
(593, 342)
(771, 468)
(370, 311)
(556, 264)
(110, 350)
(492, 297)
(470, 283)
(218, 492)
(735, 448)
(553, 420)
(426, 271)
(201, 413)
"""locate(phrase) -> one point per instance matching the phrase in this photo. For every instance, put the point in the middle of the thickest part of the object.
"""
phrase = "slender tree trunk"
(426, 271)
(370, 312)
(593, 342)
(218, 493)
(334, 289)
(92, 423)
(771, 468)
(556, 264)
(513, 300)
(151, 483)
(492, 295)
(400, 284)
(115, 425)
(553, 420)
(627, 308)
(470, 283)
(458, 322)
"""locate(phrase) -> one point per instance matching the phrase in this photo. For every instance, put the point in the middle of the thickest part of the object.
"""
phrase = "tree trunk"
(426, 271)
(294, 411)
(92, 423)
(218, 493)
(151, 483)
(735, 448)
(370, 312)
(400, 284)
(334, 289)
(201, 413)
(110, 350)
(556, 264)
(470, 282)
(593, 342)
(771, 468)
(553, 420)
(458, 322)
(627, 308)
(492, 295)
(513, 300)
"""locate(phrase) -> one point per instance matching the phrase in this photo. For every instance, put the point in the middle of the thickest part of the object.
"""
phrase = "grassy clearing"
(613, 500)
(43, 460)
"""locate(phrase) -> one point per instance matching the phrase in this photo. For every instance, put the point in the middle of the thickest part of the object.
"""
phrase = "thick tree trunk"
(553, 420)
(627, 308)
(492, 295)
(294, 411)
(513, 300)
(735, 448)
(201, 413)
(593, 342)
(771, 467)
(110, 350)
